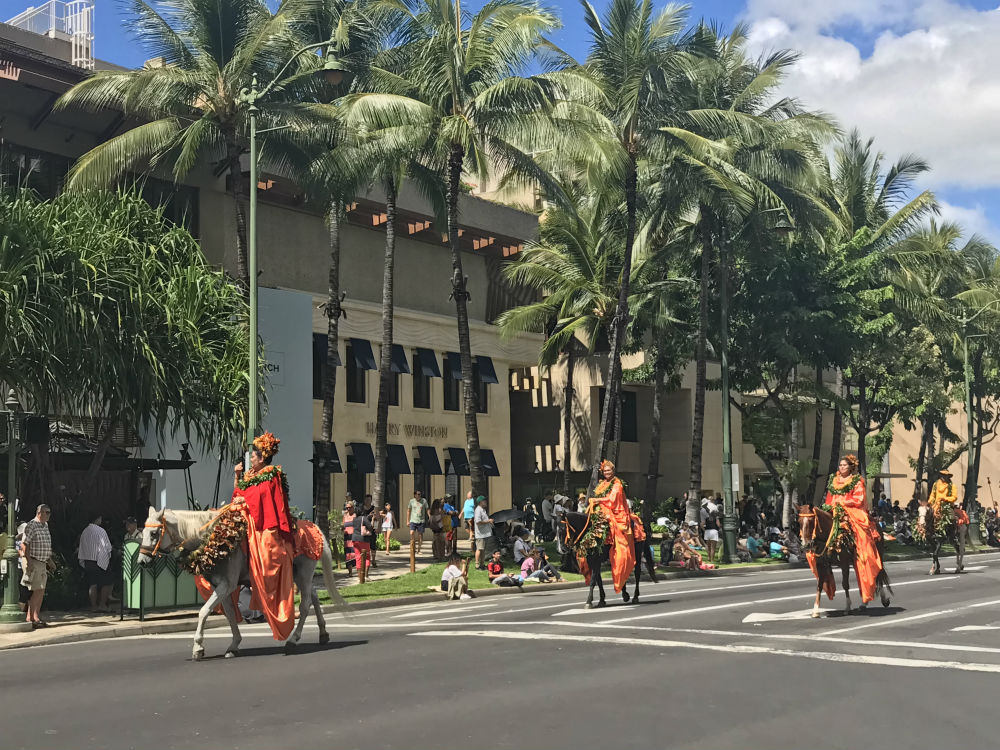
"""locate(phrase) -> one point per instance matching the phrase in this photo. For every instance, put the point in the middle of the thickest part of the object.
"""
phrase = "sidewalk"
(71, 627)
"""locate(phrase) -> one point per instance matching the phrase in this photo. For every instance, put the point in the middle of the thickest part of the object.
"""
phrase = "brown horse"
(815, 529)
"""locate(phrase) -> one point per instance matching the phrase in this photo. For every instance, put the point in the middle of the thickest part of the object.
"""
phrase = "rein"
(154, 551)
(822, 551)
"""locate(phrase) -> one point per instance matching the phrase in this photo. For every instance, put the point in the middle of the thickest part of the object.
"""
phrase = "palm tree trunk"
(568, 399)
(653, 467)
(837, 439)
(701, 372)
(385, 358)
(790, 491)
(620, 322)
(235, 180)
(615, 428)
(333, 313)
(817, 437)
(461, 295)
(929, 466)
(918, 474)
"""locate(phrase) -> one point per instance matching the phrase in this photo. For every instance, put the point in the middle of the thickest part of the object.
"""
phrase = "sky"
(919, 76)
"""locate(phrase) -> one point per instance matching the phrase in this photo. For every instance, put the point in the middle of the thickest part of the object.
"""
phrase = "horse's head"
(808, 525)
(156, 536)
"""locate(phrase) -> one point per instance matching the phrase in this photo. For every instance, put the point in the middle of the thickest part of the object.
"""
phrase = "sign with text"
(423, 431)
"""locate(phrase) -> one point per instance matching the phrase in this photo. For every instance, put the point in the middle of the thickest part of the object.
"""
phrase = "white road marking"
(965, 628)
(734, 605)
(922, 616)
(443, 611)
(802, 614)
(727, 649)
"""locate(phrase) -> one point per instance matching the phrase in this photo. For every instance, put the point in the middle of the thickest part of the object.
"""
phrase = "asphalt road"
(702, 663)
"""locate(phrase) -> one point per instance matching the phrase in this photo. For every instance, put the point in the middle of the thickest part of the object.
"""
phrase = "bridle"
(815, 528)
(154, 551)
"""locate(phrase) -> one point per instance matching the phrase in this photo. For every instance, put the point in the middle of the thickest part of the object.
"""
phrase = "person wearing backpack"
(710, 527)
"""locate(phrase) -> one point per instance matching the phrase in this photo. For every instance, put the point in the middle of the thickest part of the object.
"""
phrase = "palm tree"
(460, 75)
(632, 55)
(738, 152)
(574, 264)
(190, 101)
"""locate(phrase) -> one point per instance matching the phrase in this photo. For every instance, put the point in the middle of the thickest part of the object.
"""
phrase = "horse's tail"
(326, 561)
(882, 582)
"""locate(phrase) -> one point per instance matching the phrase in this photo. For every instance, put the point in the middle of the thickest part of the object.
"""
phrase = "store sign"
(423, 431)
(8, 70)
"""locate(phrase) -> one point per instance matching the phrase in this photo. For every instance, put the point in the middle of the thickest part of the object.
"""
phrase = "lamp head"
(783, 227)
(334, 71)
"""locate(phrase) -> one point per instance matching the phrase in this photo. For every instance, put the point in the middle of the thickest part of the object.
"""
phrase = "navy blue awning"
(453, 364)
(319, 448)
(399, 363)
(361, 350)
(397, 459)
(428, 363)
(319, 350)
(459, 461)
(364, 457)
(488, 462)
(487, 373)
(429, 460)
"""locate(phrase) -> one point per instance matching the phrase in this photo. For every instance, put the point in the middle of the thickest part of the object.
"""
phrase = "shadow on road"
(876, 611)
(301, 650)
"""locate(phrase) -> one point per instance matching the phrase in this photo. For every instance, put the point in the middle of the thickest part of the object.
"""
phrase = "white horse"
(167, 530)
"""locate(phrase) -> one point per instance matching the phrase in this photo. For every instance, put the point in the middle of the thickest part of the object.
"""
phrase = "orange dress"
(610, 499)
(867, 561)
(270, 549)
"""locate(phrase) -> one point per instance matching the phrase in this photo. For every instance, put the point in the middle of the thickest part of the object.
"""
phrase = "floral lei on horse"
(229, 529)
(841, 537)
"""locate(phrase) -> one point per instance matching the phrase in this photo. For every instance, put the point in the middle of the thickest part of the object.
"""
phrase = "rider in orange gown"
(270, 531)
(847, 488)
(609, 497)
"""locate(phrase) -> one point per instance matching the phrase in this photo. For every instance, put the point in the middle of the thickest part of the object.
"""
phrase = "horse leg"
(846, 576)
(198, 652)
(600, 584)
(593, 582)
(303, 580)
(230, 612)
(638, 571)
(935, 551)
(960, 536)
(819, 591)
(324, 637)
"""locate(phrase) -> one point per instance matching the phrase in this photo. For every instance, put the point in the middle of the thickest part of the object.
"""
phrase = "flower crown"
(266, 444)
(606, 464)
(852, 460)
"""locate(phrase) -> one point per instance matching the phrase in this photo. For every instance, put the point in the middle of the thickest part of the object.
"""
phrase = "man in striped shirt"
(95, 558)
(36, 551)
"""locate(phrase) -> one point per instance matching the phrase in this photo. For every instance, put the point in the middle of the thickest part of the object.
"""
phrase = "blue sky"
(920, 76)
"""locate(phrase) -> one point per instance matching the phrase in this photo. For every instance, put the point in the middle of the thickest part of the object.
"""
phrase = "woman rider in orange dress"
(847, 489)
(270, 529)
(609, 497)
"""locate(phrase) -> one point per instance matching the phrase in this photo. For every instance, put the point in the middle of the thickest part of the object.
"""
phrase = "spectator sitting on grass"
(778, 550)
(544, 564)
(494, 569)
(531, 569)
(522, 547)
(454, 580)
(754, 546)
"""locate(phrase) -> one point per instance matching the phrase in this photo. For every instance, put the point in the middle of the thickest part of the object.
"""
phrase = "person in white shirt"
(95, 559)
(454, 580)
(484, 530)
(560, 506)
(522, 548)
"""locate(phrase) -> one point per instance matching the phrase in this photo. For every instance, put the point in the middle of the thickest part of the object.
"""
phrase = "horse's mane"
(191, 524)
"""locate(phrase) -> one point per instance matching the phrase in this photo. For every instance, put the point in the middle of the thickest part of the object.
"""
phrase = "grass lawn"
(409, 584)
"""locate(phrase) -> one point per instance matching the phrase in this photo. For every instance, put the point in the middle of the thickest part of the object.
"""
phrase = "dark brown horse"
(575, 527)
(815, 530)
(954, 532)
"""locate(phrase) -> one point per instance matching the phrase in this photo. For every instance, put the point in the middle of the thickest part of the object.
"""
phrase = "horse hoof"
(601, 604)
(289, 647)
(324, 638)
(232, 654)
(588, 605)
(635, 599)
(815, 614)
(198, 655)
(625, 597)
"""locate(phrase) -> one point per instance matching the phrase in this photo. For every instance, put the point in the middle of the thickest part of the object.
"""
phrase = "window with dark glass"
(421, 479)
(630, 425)
(393, 389)
(482, 391)
(421, 386)
(355, 378)
(451, 386)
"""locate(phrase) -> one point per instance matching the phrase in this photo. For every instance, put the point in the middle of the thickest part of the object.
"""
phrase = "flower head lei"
(266, 444)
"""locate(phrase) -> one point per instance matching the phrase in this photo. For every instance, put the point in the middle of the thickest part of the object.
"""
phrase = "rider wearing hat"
(944, 491)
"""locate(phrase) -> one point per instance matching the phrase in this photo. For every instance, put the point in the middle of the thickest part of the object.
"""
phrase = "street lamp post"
(334, 72)
(11, 616)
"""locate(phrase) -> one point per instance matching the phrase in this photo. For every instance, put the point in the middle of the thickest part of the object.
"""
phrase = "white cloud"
(973, 220)
(930, 85)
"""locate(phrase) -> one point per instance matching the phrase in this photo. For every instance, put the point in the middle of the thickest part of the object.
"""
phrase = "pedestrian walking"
(468, 513)
(451, 525)
(360, 534)
(36, 551)
(436, 522)
(348, 523)
(388, 524)
(95, 559)
(416, 518)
